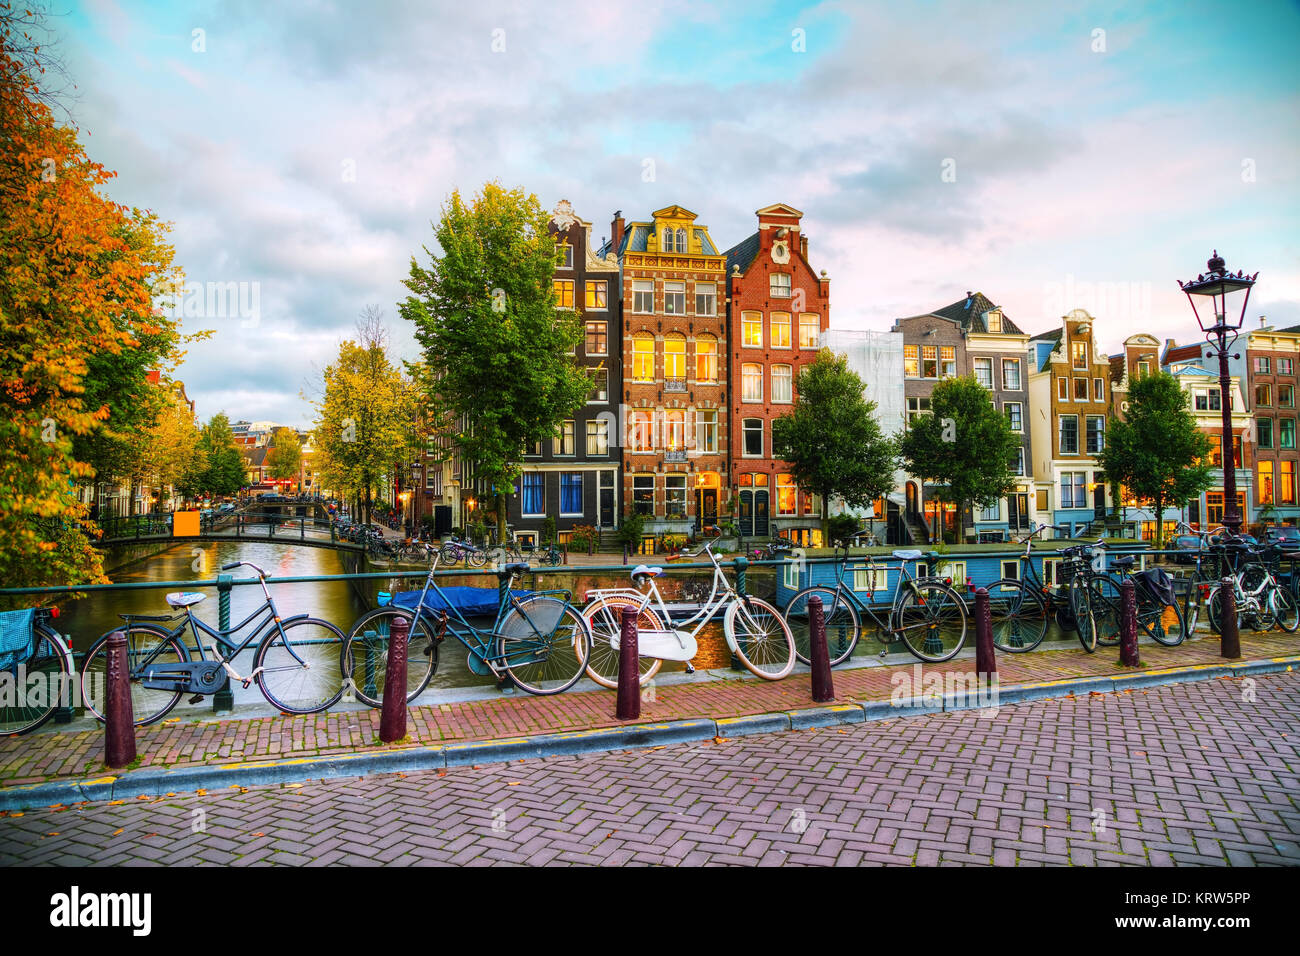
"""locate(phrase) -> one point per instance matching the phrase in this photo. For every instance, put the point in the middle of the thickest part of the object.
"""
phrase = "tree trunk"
(501, 518)
(826, 521)
(1160, 522)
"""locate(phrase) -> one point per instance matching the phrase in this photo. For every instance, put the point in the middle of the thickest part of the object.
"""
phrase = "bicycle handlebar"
(250, 564)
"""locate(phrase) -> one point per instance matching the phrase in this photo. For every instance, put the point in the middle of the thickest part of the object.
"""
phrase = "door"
(1018, 511)
(760, 513)
(1099, 501)
(606, 499)
(441, 519)
(709, 506)
(747, 514)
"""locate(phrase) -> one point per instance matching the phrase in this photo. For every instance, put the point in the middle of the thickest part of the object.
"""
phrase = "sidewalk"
(67, 757)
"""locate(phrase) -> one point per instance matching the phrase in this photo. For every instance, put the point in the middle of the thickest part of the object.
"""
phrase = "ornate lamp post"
(1220, 291)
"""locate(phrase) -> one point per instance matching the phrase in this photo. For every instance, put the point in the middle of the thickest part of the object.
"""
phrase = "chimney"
(1263, 322)
(803, 247)
(616, 231)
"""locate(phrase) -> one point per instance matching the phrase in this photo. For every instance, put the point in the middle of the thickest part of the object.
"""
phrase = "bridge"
(242, 525)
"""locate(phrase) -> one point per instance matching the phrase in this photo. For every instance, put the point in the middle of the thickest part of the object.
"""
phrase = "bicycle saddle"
(642, 570)
(517, 567)
(184, 598)
(907, 554)
(1124, 562)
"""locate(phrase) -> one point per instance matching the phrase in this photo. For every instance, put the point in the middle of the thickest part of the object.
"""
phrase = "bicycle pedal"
(197, 698)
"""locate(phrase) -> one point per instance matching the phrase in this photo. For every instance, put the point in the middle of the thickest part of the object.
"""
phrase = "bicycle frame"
(906, 580)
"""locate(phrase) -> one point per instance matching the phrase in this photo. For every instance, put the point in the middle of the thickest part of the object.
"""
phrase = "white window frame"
(788, 379)
(639, 291)
(745, 431)
(1012, 363)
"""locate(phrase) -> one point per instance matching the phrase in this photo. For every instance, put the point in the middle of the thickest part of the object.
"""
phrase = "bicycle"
(297, 674)
(925, 613)
(754, 630)
(454, 550)
(539, 642)
(38, 663)
(1261, 599)
(1154, 600)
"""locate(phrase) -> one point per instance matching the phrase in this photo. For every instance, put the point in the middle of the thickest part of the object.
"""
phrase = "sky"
(1051, 158)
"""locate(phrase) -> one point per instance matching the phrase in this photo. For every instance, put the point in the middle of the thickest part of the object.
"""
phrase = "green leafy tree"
(497, 351)
(284, 458)
(965, 449)
(1157, 452)
(220, 466)
(831, 438)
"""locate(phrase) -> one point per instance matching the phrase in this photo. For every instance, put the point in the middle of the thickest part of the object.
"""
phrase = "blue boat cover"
(471, 602)
(16, 634)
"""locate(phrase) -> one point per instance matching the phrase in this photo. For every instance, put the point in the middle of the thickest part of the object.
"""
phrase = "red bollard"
(818, 653)
(1229, 638)
(1128, 625)
(392, 722)
(986, 661)
(119, 719)
(629, 669)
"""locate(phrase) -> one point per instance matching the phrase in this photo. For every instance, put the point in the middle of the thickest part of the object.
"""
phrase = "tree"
(218, 468)
(964, 449)
(832, 439)
(364, 418)
(284, 459)
(1157, 452)
(499, 354)
(77, 274)
(170, 452)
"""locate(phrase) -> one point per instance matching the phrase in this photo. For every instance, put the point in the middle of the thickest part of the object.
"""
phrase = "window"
(787, 502)
(751, 329)
(598, 294)
(1063, 389)
(1018, 467)
(675, 430)
(681, 240)
(1214, 506)
(597, 438)
(992, 513)
(948, 365)
(911, 361)
(1265, 482)
(563, 293)
(564, 438)
(810, 327)
(532, 497)
(780, 323)
(1286, 482)
(706, 359)
(1286, 396)
(1098, 390)
(643, 494)
(643, 357)
(753, 431)
(779, 285)
(1264, 432)
(706, 298)
(782, 383)
(1011, 374)
(669, 241)
(917, 406)
(993, 320)
(1011, 570)
(1208, 399)
(1216, 450)
(1264, 395)
(1285, 367)
(564, 256)
(1144, 369)
(599, 393)
(1073, 493)
(533, 450)
(1069, 435)
(984, 372)
(675, 496)
(1079, 355)
(1261, 365)
(597, 338)
(641, 431)
(571, 493)
(871, 579)
(1080, 389)
(1012, 410)
(929, 361)
(643, 295)
(706, 430)
(751, 382)
(1286, 432)
(675, 356)
(674, 298)
(1096, 436)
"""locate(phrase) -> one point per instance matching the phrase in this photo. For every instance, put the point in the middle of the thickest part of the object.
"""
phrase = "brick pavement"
(44, 757)
(1190, 774)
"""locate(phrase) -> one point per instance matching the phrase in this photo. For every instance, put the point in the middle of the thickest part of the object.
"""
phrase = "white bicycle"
(755, 631)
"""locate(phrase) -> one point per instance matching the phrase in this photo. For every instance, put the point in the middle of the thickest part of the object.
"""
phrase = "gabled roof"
(637, 233)
(1048, 343)
(674, 212)
(742, 254)
(1181, 353)
(779, 209)
(969, 314)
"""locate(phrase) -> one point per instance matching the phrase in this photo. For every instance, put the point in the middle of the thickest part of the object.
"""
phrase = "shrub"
(840, 527)
(582, 538)
(630, 531)
(548, 530)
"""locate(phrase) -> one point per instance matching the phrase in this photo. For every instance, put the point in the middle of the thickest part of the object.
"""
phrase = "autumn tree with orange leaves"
(78, 277)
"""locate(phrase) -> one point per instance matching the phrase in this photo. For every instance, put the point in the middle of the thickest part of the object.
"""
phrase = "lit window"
(809, 329)
(641, 431)
(911, 361)
(780, 330)
(564, 438)
(597, 294)
(643, 357)
(563, 293)
(675, 430)
(597, 339)
(787, 502)
(949, 364)
(674, 356)
(751, 329)
(598, 438)
(929, 361)
(706, 359)
(1079, 355)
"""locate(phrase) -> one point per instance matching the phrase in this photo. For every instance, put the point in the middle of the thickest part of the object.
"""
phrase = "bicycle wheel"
(299, 665)
(450, 555)
(604, 617)
(1163, 623)
(759, 636)
(842, 627)
(544, 644)
(476, 558)
(1106, 605)
(42, 684)
(1285, 610)
(1081, 609)
(144, 645)
(1019, 617)
(931, 620)
(365, 658)
(498, 557)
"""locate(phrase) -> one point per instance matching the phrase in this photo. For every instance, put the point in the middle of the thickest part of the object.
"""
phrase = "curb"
(158, 781)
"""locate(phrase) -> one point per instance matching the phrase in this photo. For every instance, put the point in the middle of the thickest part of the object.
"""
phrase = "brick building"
(777, 308)
(674, 341)
(1271, 359)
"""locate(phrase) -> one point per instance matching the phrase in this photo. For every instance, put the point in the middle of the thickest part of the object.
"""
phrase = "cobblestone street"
(1198, 773)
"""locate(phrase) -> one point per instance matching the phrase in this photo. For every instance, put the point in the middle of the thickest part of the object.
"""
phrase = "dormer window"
(994, 320)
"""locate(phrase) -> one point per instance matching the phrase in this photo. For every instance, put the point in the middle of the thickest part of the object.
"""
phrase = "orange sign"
(185, 524)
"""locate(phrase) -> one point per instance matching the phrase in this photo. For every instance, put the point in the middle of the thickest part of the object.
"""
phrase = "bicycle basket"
(17, 637)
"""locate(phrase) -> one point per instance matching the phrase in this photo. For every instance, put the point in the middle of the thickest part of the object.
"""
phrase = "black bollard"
(986, 661)
(1229, 639)
(629, 669)
(392, 723)
(119, 719)
(822, 688)
(1128, 625)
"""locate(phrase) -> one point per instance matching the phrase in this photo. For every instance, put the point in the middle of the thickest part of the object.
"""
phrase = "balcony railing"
(674, 456)
(674, 385)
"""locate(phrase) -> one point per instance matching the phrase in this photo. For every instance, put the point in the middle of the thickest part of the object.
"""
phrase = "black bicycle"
(296, 666)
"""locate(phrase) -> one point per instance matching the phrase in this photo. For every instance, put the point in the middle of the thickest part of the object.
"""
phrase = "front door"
(760, 513)
(1099, 501)
(747, 514)
(606, 499)
(708, 506)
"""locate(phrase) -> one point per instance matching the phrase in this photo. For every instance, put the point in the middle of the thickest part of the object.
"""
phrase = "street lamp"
(1222, 328)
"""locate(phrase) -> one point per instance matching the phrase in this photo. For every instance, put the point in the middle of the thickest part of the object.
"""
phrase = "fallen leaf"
(17, 815)
(55, 833)
(116, 803)
(293, 786)
(513, 783)
(117, 831)
(259, 834)
(719, 740)
(143, 797)
(55, 806)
